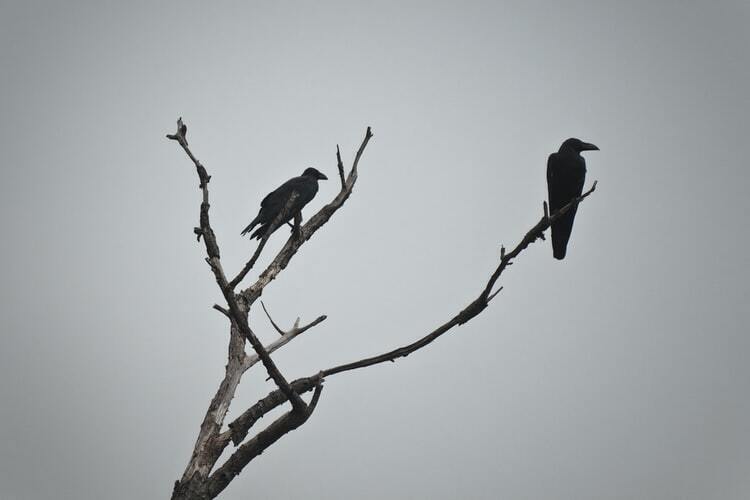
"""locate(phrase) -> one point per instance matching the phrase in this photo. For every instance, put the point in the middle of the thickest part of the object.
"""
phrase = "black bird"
(306, 186)
(566, 172)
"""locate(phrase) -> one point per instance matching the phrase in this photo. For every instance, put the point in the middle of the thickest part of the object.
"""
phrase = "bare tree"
(202, 478)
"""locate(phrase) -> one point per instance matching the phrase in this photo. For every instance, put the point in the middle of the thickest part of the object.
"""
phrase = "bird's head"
(314, 173)
(577, 145)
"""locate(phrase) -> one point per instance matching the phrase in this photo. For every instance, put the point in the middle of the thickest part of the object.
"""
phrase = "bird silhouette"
(305, 186)
(566, 173)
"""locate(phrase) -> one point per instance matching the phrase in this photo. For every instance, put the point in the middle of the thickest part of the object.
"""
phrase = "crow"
(305, 186)
(566, 172)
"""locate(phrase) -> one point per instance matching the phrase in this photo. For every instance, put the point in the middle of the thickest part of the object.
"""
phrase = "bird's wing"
(280, 194)
(275, 201)
(565, 179)
(553, 177)
(306, 191)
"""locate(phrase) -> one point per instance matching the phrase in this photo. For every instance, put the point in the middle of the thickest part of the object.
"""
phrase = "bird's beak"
(587, 146)
(322, 176)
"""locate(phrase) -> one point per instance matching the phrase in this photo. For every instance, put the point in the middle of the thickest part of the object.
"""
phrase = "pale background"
(619, 373)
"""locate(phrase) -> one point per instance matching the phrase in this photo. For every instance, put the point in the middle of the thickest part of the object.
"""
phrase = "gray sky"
(619, 373)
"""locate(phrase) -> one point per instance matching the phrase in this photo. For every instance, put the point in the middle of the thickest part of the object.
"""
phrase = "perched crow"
(306, 186)
(566, 172)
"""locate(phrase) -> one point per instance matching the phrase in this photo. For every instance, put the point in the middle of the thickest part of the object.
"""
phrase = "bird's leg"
(297, 224)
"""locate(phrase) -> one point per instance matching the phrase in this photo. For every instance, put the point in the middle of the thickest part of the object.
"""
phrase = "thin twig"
(296, 329)
(273, 323)
(492, 296)
(340, 166)
(285, 338)
(222, 310)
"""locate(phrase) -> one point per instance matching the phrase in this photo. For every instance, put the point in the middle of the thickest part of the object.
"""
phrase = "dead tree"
(203, 479)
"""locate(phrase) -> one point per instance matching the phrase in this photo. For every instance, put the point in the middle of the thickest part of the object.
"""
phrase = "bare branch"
(210, 443)
(273, 323)
(240, 426)
(181, 134)
(205, 453)
(494, 294)
(353, 174)
(258, 444)
(296, 329)
(209, 239)
(315, 397)
(212, 248)
(475, 307)
(240, 318)
(206, 450)
(251, 262)
(285, 338)
(536, 232)
(291, 247)
(264, 239)
(222, 310)
(340, 166)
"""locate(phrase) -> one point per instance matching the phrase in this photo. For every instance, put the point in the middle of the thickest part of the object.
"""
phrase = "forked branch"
(238, 313)
(258, 444)
(296, 329)
(210, 443)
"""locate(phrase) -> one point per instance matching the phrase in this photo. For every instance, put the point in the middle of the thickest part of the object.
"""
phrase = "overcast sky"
(619, 373)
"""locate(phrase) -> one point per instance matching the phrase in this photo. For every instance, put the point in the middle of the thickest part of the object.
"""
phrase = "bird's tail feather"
(260, 232)
(561, 230)
(249, 227)
(558, 251)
